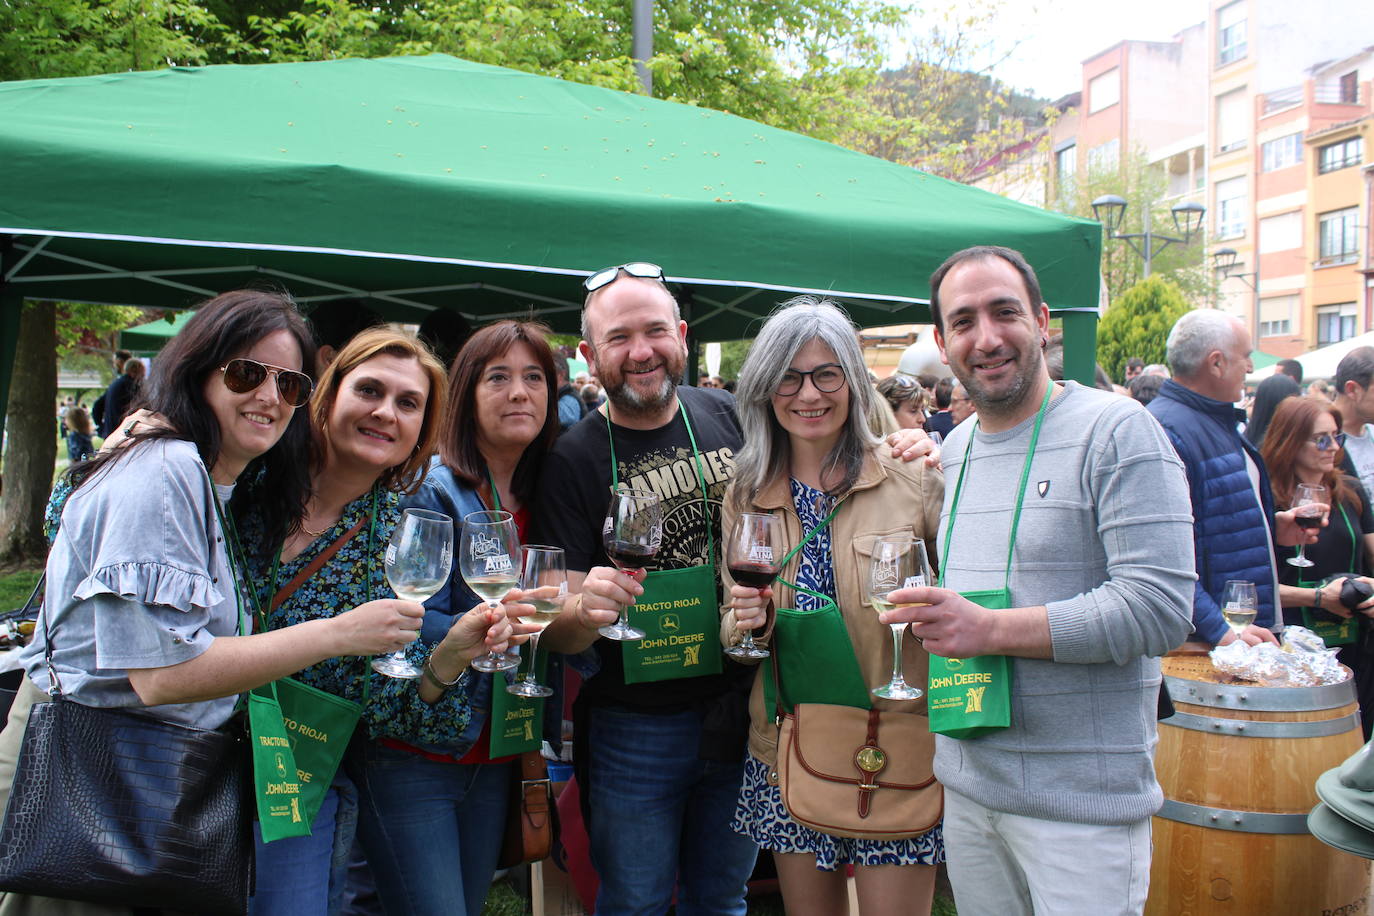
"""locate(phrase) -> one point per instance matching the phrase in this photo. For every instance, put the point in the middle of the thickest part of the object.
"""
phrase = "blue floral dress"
(760, 813)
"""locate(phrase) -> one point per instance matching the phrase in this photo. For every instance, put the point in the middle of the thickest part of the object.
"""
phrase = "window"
(1280, 233)
(1230, 33)
(1276, 315)
(1232, 124)
(1336, 237)
(1335, 323)
(1066, 170)
(1281, 153)
(1350, 88)
(1231, 208)
(1340, 155)
(1104, 91)
(1104, 157)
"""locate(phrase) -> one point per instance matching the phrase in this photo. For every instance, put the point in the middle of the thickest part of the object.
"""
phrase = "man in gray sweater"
(1051, 815)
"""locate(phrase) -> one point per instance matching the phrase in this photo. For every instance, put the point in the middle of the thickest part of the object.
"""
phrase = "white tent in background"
(1320, 363)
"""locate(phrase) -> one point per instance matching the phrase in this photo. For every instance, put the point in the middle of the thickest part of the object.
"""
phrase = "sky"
(1056, 36)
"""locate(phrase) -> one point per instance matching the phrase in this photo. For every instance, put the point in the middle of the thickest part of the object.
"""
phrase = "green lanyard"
(1020, 492)
(495, 493)
(696, 463)
(226, 525)
(1354, 541)
(802, 543)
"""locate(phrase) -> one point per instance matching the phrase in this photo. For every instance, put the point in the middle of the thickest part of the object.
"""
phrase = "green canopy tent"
(432, 182)
(150, 337)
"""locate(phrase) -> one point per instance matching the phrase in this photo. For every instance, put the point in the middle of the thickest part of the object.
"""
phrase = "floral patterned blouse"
(353, 576)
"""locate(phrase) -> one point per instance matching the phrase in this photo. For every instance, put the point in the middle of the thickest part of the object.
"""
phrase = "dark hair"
(1288, 433)
(458, 436)
(337, 321)
(1356, 366)
(560, 364)
(1144, 388)
(1135, 362)
(407, 476)
(1267, 397)
(222, 328)
(1291, 368)
(981, 253)
(944, 390)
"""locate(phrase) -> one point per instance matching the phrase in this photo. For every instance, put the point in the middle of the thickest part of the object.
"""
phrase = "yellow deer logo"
(692, 656)
(529, 730)
(974, 699)
(296, 810)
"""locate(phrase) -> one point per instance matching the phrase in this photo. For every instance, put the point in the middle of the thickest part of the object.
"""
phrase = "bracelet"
(433, 677)
(1318, 594)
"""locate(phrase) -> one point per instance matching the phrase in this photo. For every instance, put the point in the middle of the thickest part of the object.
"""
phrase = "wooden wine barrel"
(1239, 765)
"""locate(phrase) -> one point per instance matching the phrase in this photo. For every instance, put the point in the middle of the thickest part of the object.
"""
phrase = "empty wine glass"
(632, 534)
(753, 554)
(544, 582)
(1307, 498)
(898, 561)
(488, 554)
(419, 558)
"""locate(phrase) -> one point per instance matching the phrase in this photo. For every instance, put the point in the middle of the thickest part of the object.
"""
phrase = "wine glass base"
(622, 632)
(742, 651)
(523, 689)
(395, 667)
(500, 663)
(897, 692)
(1302, 562)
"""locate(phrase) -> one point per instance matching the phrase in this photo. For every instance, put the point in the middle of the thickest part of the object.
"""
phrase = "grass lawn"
(16, 585)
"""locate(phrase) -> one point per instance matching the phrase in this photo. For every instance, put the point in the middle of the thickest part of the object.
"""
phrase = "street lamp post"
(1224, 260)
(1110, 211)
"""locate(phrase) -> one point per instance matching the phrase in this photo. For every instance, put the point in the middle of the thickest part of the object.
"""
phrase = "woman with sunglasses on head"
(907, 399)
(375, 417)
(152, 620)
(434, 807)
(810, 460)
(1304, 444)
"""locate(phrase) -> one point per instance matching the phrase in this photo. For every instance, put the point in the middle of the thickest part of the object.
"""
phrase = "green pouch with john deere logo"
(276, 784)
(320, 726)
(969, 697)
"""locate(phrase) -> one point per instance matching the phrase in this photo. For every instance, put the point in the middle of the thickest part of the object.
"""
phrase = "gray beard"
(630, 402)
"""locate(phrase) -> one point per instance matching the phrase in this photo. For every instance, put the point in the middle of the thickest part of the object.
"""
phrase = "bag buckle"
(871, 760)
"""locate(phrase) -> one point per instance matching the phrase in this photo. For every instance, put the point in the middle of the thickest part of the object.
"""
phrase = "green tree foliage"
(1138, 182)
(82, 324)
(1137, 324)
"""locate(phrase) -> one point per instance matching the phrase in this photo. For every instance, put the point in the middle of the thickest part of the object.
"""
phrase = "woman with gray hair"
(810, 460)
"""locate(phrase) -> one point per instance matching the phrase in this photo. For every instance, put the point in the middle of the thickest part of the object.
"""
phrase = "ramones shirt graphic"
(574, 494)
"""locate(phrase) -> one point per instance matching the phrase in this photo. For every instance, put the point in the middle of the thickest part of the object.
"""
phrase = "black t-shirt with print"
(574, 495)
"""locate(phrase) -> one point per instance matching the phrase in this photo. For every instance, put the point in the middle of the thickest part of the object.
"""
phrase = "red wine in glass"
(754, 575)
(628, 556)
(753, 554)
(632, 535)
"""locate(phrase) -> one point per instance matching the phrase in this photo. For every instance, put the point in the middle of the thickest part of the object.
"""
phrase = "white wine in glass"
(419, 558)
(1239, 604)
(897, 561)
(544, 581)
(488, 558)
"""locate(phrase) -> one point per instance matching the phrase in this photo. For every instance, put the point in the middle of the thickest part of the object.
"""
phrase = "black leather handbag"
(122, 808)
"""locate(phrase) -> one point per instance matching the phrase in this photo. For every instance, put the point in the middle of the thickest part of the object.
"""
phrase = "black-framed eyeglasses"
(243, 375)
(827, 377)
(1327, 441)
(642, 269)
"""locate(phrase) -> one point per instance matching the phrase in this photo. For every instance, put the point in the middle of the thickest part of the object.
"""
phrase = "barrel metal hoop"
(1247, 728)
(1226, 819)
(1264, 699)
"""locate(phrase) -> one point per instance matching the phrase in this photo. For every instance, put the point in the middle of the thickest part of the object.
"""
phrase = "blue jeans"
(432, 831)
(304, 875)
(660, 818)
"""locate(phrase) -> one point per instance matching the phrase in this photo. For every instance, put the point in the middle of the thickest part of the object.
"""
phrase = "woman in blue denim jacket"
(429, 805)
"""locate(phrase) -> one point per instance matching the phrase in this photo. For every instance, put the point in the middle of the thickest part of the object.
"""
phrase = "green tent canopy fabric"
(432, 182)
(151, 337)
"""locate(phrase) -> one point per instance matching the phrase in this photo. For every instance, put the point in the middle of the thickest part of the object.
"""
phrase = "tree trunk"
(30, 437)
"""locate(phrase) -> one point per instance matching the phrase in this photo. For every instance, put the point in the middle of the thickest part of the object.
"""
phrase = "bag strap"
(316, 564)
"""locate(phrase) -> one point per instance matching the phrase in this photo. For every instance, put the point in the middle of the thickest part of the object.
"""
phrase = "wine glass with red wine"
(632, 535)
(1308, 498)
(754, 556)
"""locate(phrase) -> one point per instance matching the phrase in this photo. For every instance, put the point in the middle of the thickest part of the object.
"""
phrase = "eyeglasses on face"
(244, 375)
(827, 377)
(642, 269)
(1327, 441)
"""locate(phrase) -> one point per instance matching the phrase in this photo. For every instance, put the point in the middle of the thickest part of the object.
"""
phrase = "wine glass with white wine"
(544, 581)
(897, 561)
(488, 558)
(1239, 604)
(419, 558)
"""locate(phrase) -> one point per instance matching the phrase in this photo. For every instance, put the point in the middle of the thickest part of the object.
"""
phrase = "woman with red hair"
(1304, 445)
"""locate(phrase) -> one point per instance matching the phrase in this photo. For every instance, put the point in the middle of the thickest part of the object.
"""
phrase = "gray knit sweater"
(1106, 544)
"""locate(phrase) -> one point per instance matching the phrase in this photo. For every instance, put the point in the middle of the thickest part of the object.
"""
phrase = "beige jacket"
(890, 497)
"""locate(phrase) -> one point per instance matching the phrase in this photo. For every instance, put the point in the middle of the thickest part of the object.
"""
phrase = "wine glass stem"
(493, 654)
(897, 630)
(534, 658)
(748, 641)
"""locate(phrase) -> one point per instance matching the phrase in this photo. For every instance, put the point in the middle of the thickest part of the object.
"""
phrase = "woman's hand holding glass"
(481, 630)
(751, 606)
(377, 627)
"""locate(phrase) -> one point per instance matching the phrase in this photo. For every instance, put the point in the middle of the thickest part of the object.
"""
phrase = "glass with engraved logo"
(753, 554)
(489, 559)
(897, 561)
(419, 558)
